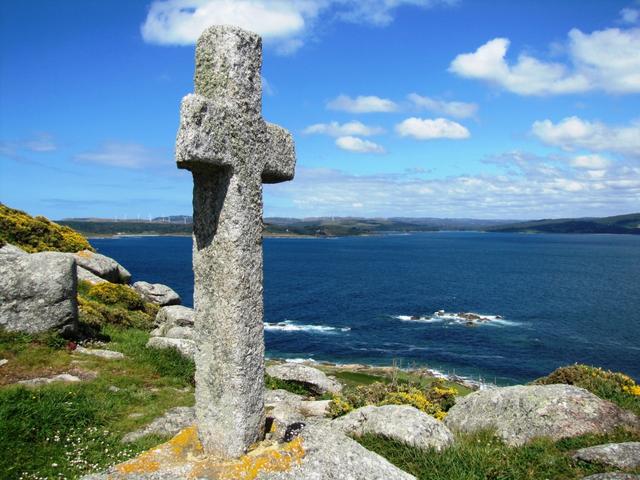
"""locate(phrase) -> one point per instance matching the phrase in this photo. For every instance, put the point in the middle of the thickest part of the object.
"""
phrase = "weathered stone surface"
(3, 361)
(521, 413)
(314, 408)
(620, 455)
(88, 276)
(230, 151)
(102, 266)
(106, 354)
(271, 397)
(38, 292)
(314, 379)
(181, 332)
(157, 293)
(331, 455)
(612, 476)
(404, 423)
(186, 347)
(170, 423)
(174, 316)
(63, 377)
(9, 249)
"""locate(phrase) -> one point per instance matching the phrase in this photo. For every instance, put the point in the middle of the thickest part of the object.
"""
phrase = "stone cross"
(231, 151)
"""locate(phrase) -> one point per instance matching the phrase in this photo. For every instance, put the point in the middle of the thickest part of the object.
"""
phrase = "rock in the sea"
(102, 266)
(186, 347)
(157, 293)
(88, 276)
(403, 423)
(521, 413)
(168, 424)
(9, 249)
(107, 354)
(310, 377)
(620, 455)
(38, 292)
(63, 377)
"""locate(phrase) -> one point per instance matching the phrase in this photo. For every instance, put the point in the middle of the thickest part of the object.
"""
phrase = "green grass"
(482, 456)
(67, 430)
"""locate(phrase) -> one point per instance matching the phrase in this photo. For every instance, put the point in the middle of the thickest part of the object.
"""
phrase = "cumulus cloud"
(358, 145)
(429, 129)
(124, 155)
(526, 186)
(590, 162)
(451, 109)
(362, 104)
(630, 15)
(336, 129)
(281, 23)
(574, 133)
(607, 60)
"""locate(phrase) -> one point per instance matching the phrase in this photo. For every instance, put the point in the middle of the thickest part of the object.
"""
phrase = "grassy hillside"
(38, 234)
(619, 224)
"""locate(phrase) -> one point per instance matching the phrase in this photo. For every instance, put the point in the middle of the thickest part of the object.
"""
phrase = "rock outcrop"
(170, 423)
(186, 347)
(612, 476)
(38, 292)
(314, 379)
(157, 293)
(521, 413)
(9, 249)
(102, 266)
(403, 423)
(620, 455)
(173, 316)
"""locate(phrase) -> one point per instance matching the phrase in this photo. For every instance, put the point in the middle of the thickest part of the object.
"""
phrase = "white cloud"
(362, 104)
(336, 129)
(41, 143)
(607, 60)
(429, 129)
(282, 23)
(573, 133)
(125, 155)
(355, 144)
(630, 15)
(590, 162)
(526, 187)
(451, 109)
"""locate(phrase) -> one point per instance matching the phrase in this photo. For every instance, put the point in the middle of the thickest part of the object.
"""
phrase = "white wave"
(288, 326)
(299, 360)
(408, 318)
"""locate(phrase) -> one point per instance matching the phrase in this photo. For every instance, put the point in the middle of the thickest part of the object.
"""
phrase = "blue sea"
(551, 299)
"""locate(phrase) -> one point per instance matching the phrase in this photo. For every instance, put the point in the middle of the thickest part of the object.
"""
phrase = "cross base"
(184, 457)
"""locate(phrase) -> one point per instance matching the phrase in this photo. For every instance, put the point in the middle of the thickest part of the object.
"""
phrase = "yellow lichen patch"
(270, 458)
(181, 449)
(85, 254)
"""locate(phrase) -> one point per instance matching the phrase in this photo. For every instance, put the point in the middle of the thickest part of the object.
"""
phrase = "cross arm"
(280, 155)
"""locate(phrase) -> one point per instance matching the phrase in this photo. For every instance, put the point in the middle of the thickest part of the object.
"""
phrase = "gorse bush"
(434, 399)
(613, 386)
(38, 234)
(113, 304)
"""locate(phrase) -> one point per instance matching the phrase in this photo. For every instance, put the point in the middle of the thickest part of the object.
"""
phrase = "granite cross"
(230, 151)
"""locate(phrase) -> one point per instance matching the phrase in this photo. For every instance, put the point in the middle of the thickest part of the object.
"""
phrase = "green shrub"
(38, 234)
(113, 304)
(116, 295)
(434, 399)
(613, 386)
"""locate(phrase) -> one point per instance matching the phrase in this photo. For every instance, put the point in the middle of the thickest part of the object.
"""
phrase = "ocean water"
(551, 300)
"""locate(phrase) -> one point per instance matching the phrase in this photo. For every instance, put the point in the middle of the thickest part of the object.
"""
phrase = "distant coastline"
(351, 226)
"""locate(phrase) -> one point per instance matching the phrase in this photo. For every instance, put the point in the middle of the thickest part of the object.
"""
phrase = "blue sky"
(469, 108)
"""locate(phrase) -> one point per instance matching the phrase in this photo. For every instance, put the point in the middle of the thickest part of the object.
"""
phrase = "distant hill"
(619, 224)
(350, 226)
